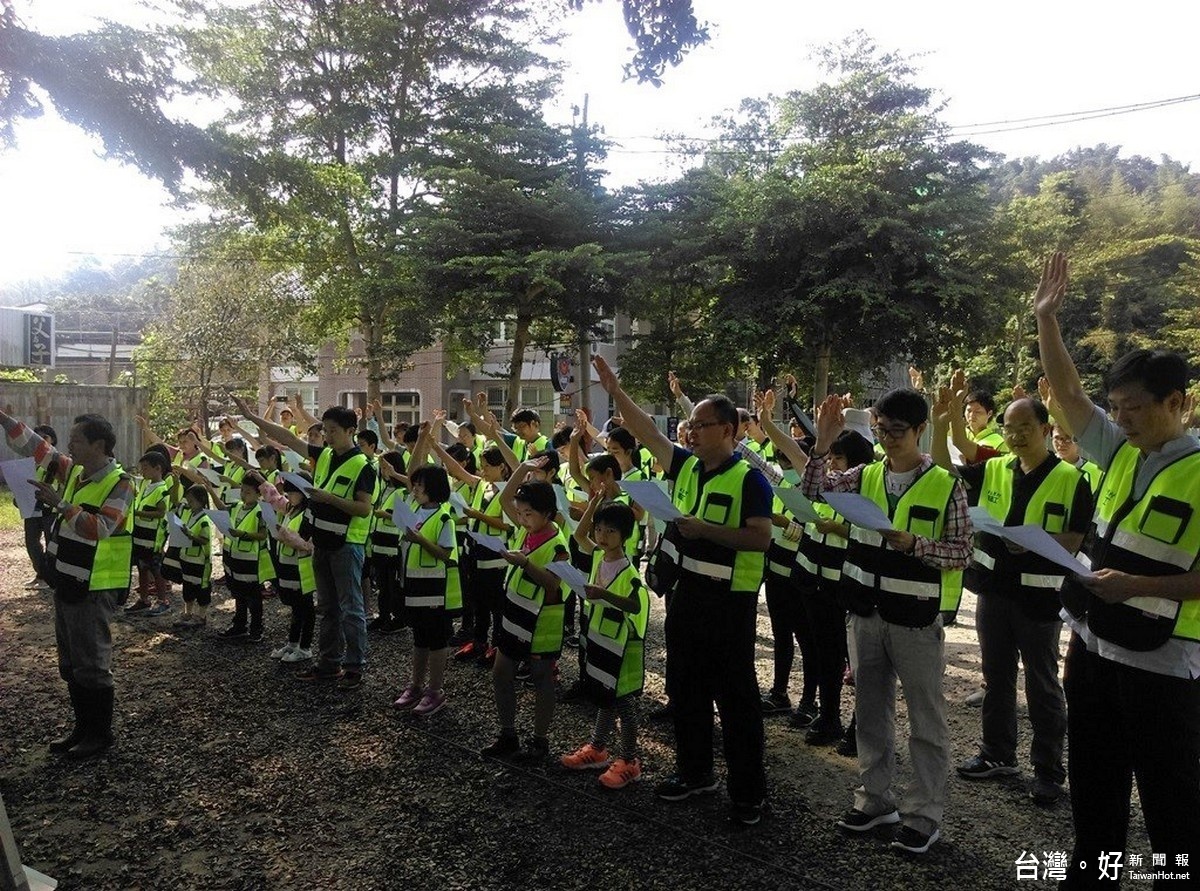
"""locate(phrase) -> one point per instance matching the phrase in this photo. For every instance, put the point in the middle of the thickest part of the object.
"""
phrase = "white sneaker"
(297, 655)
(32, 583)
(283, 650)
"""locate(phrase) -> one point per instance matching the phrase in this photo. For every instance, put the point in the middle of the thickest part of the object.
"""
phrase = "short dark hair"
(411, 433)
(318, 427)
(552, 460)
(744, 416)
(395, 459)
(854, 447)
(539, 496)
(199, 493)
(1160, 372)
(526, 416)
(463, 456)
(560, 437)
(289, 486)
(96, 428)
(434, 481)
(370, 437)
(617, 516)
(255, 479)
(602, 463)
(623, 438)
(493, 456)
(269, 452)
(236, 444)
(903, 404)
(342, 416)
(983, 397)
(161, 449)
(725, 410)
(470, 428)
(46, 432)
(157, 460)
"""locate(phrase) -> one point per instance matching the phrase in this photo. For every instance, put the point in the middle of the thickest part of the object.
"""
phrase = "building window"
(401, 408)
(496, 397)
(506, 330)
(541, 397)
(606, 330)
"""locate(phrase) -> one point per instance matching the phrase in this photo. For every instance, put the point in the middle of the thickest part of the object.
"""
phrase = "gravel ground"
(228, 774)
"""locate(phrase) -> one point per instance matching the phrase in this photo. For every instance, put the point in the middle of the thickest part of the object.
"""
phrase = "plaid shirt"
(952, 551)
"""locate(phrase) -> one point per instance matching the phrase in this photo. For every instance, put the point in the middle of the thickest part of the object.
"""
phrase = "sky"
(990, 63)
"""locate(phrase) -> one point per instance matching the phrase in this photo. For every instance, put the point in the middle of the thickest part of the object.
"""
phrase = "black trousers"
(710, 651)
(391, 599)
(826, 619)
(1124, 723)
(790, 626)
(37, 528)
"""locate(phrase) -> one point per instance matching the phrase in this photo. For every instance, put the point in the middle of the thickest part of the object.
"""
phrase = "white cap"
(859, 420)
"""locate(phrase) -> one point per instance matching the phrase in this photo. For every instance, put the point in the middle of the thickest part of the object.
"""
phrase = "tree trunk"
(520, 342)
(372, 333)
(583, 383)
(821, 377)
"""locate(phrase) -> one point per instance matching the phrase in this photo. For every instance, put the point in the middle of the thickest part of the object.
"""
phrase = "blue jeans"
(340, 608)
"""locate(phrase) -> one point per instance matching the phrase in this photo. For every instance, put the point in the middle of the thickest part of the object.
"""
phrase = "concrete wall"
(59, 404)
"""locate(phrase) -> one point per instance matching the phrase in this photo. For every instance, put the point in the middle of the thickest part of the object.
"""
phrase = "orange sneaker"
(586, 757)
(621, 773)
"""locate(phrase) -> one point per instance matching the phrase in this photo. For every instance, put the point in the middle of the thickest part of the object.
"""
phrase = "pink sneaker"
(621, 774)
(431, 703)
(409, 698)
(586, 757)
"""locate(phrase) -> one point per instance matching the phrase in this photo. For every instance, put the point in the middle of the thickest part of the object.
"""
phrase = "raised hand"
(608, 378)
(830, 421)
(1048, 298)
(673, 383)
(1018, 393)
(764, 403)
(249, 410)
(917, 378)
(942, 409)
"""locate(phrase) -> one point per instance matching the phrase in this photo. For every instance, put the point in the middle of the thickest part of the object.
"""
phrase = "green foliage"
(663, 31)
(20, 375)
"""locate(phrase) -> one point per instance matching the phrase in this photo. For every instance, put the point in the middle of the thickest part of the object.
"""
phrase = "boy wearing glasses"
(1017, 615)
(898, 583)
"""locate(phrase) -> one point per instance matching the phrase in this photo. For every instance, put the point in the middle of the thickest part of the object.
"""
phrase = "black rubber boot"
(61, 746)
(98, 736)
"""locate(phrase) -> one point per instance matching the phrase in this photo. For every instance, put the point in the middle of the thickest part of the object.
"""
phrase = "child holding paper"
(617, 608)
(249, 561)
(533, 609)
(195, 560)
(149, 534)
(297, 581)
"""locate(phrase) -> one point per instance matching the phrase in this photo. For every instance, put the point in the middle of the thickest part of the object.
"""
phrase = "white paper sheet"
(569, 574)
(1038, 540)
(220, 519)
(299, 482)
(460, 503)
(858, 509)
(982, 520)
(564, 507)
(491, 542)
(209, 474)
(404, 516)
(793, 499)
(19, 474)
(176, 537)
(269, 516)
(651, 497)
(295, 459)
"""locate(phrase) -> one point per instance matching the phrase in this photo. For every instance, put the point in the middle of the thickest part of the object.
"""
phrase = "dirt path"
(228, 774)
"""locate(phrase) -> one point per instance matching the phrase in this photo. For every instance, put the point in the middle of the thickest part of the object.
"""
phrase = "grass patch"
(10, 517)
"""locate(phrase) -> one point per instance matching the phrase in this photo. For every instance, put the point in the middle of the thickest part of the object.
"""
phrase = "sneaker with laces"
(535, 750)
(523, 671)
(746, 813)
(431, 703)
(979, 768)
(975, 700)
(857, 821)
(255, 636)
(775, 703)
(233, 632)
(676, 788)
(621, 773)
(1045, 792)
(350, 680)
(159, 609)
(504, 746)
(913, 841)
(282, 651)
(410, 698)
(586, 757)
(803, 717)
(296, 655)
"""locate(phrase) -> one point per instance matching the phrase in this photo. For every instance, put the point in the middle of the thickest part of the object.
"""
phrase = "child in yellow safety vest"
(296, 581)
(432, 589)
(532, 623)
(249, 561)
(195, 560)
(150, 507)
(618, 607)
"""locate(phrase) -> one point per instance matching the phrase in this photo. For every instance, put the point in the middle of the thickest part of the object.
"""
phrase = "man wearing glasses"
(711, 621)
(898, 583)
(1017, 615)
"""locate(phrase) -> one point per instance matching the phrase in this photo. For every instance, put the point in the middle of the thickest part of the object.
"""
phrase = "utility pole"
(583, 384)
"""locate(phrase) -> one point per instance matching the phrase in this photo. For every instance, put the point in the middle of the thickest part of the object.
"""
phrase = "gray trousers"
(84, 636)
(1006, 632)
(342, 635)
(885, 652)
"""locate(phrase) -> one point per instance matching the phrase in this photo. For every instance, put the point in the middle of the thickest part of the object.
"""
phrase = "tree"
(663, 30)
(852, 226)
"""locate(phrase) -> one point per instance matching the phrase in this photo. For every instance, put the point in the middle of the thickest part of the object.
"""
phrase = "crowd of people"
(510, 547)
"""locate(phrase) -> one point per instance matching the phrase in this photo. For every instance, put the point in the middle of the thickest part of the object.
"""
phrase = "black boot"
(60, 746)
(98, 736)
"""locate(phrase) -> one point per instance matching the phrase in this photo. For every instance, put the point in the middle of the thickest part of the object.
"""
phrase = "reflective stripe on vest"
(1157, 534)
(105, 564)
(295, 568)
(718, 501)
(820, 554)
(427, 580)
(486, 500)
(150, 534)
(1049, 507)
(341, 483)
(385, 535)
(527, 616)
(883, 571)
(615, 638)
(249, 560)
(195, 561)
